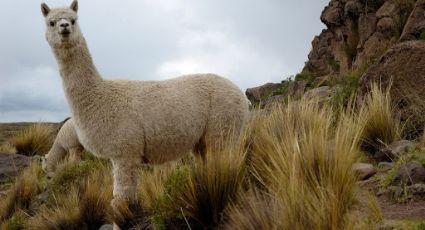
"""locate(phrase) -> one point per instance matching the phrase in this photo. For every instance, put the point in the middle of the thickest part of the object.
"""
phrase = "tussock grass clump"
(412, 109)
(257, 210)
(130, 215)
(83, 206)
(34, 140)
(213, 184)
(27, 186)
(303, 158)
(64, 215)
(194, 192)
(7, 148)
(381, 126)
(15, 222)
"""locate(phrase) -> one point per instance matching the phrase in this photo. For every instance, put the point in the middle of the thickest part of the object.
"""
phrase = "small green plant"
(69, 173)
(422, 35)
(15, 222)
(305, 76)
(345, 89)
(34, 140)
(333, 64)
(283, 89)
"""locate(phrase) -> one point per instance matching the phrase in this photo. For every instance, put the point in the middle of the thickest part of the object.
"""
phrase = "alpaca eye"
(72, 21)
(52, 23)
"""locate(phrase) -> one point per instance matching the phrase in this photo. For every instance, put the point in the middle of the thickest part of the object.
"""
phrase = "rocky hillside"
(365, 41)
(360, 31)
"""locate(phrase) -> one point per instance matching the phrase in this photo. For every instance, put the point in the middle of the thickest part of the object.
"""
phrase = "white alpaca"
(66, 142)
(131, 122)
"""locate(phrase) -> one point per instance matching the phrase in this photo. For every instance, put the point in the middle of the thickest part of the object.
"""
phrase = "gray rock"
(394, 150)
(257, 94)
(12, 164)
(417, 190)
(385, 166)
(353, 8)
(273, 100)
(363, 170)
(320, 92)
(415, 24)
(106, 227)
(409, 173)
(389, 9)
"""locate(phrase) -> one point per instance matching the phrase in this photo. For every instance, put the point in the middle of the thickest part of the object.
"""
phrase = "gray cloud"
(248, 41)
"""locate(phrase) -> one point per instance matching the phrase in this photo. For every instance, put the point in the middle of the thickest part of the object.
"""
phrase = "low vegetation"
(292, 169)
(34, 140)
(382, 126)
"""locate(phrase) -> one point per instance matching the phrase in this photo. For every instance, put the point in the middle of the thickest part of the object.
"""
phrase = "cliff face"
(360, 31)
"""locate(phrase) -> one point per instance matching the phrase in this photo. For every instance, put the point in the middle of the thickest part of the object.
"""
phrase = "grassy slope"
(291, 170)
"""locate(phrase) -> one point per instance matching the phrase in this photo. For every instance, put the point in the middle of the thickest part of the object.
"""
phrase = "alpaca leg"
(125, 181)
(75, 154)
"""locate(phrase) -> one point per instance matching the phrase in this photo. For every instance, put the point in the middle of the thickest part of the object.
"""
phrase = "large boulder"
(257, 94)
(403, 68)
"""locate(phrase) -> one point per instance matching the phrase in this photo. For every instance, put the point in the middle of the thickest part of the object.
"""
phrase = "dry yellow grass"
(303, 158)
(381, 125)
(83, 206)
(22, 194)
(34, 140)
(257, 210)
(291, 170)
(7, 148)
(213, 184)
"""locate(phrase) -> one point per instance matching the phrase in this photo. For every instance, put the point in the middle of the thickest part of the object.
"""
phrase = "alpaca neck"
(79, 75)
(76, 66)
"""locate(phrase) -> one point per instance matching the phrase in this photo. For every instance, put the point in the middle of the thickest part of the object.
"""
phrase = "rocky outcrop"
(359, 31)
(403, 68)
(257, 94)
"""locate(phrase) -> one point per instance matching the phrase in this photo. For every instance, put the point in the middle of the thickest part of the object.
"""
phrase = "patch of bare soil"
(413, 209)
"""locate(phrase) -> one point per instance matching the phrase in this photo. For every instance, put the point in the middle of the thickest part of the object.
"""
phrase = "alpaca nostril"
(64, 24)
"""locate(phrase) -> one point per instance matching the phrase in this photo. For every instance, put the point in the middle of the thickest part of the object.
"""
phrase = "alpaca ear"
(74, 6)
(45, 9)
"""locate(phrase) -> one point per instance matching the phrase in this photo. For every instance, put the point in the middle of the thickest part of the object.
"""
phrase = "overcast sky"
(251, 42)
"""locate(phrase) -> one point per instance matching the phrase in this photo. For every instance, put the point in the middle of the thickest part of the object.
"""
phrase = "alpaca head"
(62, 27)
